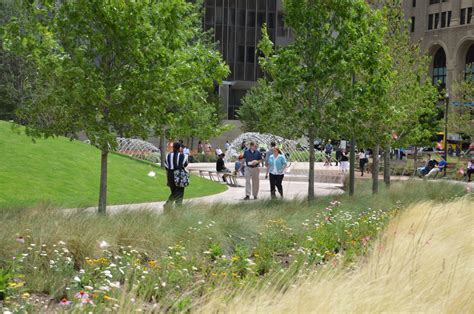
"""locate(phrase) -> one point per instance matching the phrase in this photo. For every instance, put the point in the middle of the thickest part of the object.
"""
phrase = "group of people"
(249, 163)
(432, 167)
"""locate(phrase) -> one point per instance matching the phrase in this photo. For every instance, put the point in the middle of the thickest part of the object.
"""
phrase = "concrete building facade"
(445, 30)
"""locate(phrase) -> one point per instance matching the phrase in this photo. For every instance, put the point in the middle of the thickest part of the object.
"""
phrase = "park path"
(295, 186)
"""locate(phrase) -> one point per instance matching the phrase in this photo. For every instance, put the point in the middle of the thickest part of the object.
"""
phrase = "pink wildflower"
(65, 301)
(82, 295)
(20, 239)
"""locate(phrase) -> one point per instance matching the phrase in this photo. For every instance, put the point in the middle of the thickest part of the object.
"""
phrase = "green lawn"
(66, 173)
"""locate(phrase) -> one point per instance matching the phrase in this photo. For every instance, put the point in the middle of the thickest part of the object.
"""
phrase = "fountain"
(139, 149)
(294, 150)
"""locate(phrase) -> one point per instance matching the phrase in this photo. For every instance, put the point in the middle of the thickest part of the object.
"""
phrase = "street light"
(446, 99)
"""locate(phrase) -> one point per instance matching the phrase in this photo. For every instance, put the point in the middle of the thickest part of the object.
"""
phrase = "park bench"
(230, 179)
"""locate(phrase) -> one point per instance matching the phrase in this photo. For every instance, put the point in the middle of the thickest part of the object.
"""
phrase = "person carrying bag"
(177, 176)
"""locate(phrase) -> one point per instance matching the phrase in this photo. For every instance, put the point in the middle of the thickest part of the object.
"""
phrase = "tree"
(306, 79)
(411, 95)
(461, 110)
(17, 77)
(112, 67)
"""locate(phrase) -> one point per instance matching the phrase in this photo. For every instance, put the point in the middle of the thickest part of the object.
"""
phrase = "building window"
(412, 24)
(466, 16)
(413, 4)
(443, 19)
(430, 21)
(469, 71)
(449, 18)
(437, 1)
(436, 20)
(439, 68)
(250, 54)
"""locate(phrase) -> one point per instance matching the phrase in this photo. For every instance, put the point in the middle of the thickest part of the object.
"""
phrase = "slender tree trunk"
(375, 170)
(352, 167)
(103, 181)
(415, 159)
(386, 166)
(311, 138)
(162, 150)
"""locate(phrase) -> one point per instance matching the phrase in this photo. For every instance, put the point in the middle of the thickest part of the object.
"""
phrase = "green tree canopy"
(108, 67)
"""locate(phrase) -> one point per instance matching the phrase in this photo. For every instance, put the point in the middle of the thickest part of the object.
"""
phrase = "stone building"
(445, 29)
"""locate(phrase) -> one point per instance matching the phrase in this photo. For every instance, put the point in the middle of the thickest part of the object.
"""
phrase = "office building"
(445, 29)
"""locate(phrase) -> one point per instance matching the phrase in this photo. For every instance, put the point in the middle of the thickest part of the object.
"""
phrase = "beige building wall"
(455, 39)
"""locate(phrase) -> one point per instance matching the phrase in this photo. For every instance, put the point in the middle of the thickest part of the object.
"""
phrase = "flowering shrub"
(52, 276)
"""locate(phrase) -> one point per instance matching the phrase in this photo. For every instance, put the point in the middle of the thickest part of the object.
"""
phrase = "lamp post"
(446, 99)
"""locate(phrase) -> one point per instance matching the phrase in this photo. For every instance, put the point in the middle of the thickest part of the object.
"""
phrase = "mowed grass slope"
(66, 173)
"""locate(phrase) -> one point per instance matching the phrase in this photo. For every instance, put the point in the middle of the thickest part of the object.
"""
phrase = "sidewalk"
(233, 195)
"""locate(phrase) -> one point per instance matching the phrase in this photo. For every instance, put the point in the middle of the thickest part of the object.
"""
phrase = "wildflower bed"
(198, 251)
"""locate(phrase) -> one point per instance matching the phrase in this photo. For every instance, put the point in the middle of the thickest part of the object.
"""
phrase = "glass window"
(443, 19)
(439, 68)
(250, 19)
(413, 4)
(412, 24)
(260, 19)
(436, 20)
(241, 17)
(251, 4)
(271, 20)
(469, 15)
(430, 21)
(241, 4)
(240, 53)
(250, 54)
(261, 5)
(434, 1)
(463, 16)
(449, 18)
(219, 15)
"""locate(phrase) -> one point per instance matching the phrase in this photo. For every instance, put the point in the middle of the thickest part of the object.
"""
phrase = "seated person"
(437, 169)
(430, 164)
(220, 166)
(239, 166)
(470, 169)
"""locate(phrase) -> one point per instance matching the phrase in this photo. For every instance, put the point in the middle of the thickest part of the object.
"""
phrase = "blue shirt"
(442, 164)
(251, 156)
(276, 165)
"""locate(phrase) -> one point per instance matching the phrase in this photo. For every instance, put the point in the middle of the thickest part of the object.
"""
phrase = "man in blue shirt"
(252, 160)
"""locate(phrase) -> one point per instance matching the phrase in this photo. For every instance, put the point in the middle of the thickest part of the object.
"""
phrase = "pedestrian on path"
(328, 151)
(177, 177)
(470, 169)
(363, 160)
(276, 167)
(253, 159)
(344, 162)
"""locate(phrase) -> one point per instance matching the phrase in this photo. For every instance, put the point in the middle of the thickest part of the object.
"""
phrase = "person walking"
(177, 177)
(344, 162)
(338, 155)
(363, 160)
(470, 169)
(276, 167)
(328, 151)
(269, 152)
(253, 158)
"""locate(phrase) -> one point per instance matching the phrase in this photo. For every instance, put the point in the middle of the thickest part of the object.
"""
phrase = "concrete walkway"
(293, 188)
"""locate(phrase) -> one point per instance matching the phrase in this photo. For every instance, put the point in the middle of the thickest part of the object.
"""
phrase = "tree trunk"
(103, 182)
(162, 150)
(311, 138)
(386, 166)
(375, 170)
(415, 159)
(352, 167)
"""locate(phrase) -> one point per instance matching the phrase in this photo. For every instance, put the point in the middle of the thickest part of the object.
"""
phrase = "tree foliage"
(114, 67)
(308, 79)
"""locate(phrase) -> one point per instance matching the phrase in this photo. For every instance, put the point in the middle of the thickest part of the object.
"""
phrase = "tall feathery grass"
(423, 262)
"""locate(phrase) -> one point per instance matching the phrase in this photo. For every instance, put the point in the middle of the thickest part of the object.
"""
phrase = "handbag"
(181, 178)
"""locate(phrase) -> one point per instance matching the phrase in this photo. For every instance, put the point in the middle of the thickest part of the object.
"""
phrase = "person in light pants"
(253, 159)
